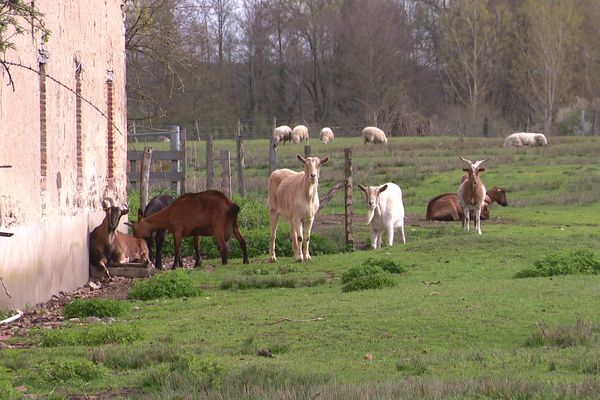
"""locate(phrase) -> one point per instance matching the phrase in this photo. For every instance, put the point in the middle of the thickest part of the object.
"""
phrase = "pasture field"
(456, 325)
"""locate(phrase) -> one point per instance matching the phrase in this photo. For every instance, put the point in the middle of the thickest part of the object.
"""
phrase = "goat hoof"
(273, 259)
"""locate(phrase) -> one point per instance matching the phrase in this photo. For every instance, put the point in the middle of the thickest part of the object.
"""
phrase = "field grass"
(457, 324)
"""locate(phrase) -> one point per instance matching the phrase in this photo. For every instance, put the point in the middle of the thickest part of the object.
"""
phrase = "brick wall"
(67, 152)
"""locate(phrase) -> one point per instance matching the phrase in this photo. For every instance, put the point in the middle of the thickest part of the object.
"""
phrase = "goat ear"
(324, 160)
(300, 158)
(105, 204)
(481, 169)
(129, 224)
(467, 169)
(364, 189)
(124, 209)
(381, 189)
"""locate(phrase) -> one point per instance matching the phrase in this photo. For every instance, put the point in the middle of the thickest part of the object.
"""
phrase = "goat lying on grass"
(109, 247)
(208, 213)
(445, 206)
(295, 197)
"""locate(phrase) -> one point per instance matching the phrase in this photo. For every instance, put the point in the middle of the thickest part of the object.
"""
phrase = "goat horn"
(465, 160)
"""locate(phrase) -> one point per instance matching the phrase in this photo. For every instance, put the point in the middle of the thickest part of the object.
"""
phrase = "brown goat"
(208, 213)
(445, 206)
(471, 194)
(108, 247)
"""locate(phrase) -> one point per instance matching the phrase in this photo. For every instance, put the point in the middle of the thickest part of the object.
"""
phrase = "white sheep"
(375, 135)
(299, 134)
(326, 136)
(294, 196)
(282, 133)
(385, 212)
(524, 139)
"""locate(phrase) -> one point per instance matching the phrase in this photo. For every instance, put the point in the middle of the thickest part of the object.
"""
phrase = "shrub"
(360, 271)
(387, 265)
(90, 335)
(563, 263)
(373, 281)
(81, 308)
(171, 284)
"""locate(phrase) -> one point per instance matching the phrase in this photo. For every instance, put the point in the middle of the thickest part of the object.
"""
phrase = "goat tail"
(233, 210)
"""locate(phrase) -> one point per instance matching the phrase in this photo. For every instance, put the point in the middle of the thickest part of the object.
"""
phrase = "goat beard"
(370, 215)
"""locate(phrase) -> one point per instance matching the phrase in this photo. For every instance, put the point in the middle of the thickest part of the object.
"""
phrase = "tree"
(15, 15)
(469, 53)
(548, 45)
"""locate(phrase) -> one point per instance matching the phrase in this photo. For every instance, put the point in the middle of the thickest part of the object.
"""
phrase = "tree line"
(411, 67)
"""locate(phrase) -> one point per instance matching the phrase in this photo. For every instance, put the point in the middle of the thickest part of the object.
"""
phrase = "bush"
(360, 272)
(90, 335)
(373, 281)
(171, 284)
(387, 265)
(563, 263)
(81, 308)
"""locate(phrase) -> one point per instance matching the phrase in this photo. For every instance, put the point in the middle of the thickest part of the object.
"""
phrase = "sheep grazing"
(282, 134)
(373, 135)
(445, 206)
(385, 212)
(295, 197)
(109, 247)
(525, 139)
(300, 134)
(157, 238)
(208, 213)
(471, 194)
(326, 136)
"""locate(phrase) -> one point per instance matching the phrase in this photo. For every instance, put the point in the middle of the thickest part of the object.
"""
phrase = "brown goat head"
(113, 213)
(474, 167)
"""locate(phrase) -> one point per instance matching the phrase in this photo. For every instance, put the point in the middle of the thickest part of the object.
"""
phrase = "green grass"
(456, 325)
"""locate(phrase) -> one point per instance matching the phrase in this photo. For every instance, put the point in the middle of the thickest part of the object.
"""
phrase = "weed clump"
(386, 264)
(170, 284)
(563, 263)
(91, 335)
(81, 308)
(64, 370)
(579, 333)
(267, 282)
(369, 275)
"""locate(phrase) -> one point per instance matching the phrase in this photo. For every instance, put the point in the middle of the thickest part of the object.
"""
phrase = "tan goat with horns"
(471, 194)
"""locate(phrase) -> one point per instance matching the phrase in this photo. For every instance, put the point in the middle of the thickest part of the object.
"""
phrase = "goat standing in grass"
(208, 213)
(385, 212)
(471, 194)
(294, 196)
(157, 238)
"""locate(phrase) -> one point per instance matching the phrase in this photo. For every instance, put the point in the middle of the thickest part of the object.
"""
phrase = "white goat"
(326, 136)
(385, 212)
(300, 134)
(294, 196)
(374, 135)
(471, 194)
(282, 133)
(524, 139)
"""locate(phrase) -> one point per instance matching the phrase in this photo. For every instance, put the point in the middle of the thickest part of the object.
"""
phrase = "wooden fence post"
(145, 176)
(240, 161)
(226, 173)
(272, 155)
(348, 197)
(307, 151)
(183, 137)
(175, 165)
(210, 173)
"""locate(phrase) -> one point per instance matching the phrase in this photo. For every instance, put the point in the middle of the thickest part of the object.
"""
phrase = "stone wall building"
(63, 131)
